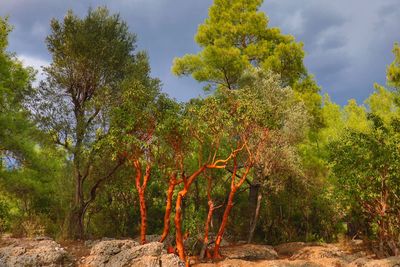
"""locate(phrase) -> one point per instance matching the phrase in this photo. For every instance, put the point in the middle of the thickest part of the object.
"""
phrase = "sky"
(348, 43)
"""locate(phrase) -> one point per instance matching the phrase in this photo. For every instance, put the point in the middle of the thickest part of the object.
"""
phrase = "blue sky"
(348, 42)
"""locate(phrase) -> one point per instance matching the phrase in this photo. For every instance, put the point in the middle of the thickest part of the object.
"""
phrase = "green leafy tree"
(393, 70)
(235, 42)
(236, 37)
(27, 175)
(363, 144)
(92, 56)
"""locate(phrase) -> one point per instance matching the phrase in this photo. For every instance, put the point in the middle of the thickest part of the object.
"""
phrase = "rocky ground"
(299, 254)
(114, 253)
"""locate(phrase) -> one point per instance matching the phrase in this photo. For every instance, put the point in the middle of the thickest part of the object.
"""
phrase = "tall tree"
(363, 144)
(91, 57)
(236, 37)
(235, 40)
(133, 129)
(27, 174)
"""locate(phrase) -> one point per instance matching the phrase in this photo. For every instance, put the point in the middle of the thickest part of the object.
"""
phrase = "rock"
(171, 260)
(288, 249)
(40, 238)
(229, 263)
(249, 252)
(146, 261)
(120, 252)
(115, 253)
(165, 260)
(91, 243)
(156, 238)
(271, 263)
(357, 242)
(368, 262)
(149, 238)
(112, 247)
(318, 252)
(33, 252)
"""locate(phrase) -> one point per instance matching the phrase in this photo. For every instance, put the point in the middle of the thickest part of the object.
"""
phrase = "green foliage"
(94, 67)
(318, 170)
(364, 156)
(235, 38)
(393, 70)
(29, 165)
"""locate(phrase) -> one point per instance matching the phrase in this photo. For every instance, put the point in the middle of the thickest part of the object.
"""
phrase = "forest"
(97, 149)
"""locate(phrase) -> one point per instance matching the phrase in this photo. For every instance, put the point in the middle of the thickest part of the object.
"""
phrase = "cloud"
(348, 43)
(36, 63)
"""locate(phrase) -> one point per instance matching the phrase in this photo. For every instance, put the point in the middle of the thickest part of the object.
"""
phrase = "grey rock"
(114, 253)
(288, 249)
(368, 262)
(318, 252)
(249, 252)
(34, 252)
(171, 260)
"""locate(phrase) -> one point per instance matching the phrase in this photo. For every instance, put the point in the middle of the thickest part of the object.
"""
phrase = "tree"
(240, 125)
(364, 159)
(271, 123)
(363, 145)
(236, 41)
(27, 175)
(133, 126)
(235, 38)
(393, 70)
(92, 56)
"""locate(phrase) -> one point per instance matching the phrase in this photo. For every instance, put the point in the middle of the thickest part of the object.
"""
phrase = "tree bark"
(141, 188)
(224, 222)
(253, 199)
(178, 211)
(209, 218)
(168, 208)
(75, 227)
(255, 219)
(228, 208)
(206, 228)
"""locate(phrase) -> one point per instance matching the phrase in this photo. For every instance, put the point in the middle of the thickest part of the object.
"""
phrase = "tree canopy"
(97, 149)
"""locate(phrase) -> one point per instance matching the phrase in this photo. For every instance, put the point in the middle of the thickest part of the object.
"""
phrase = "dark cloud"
(348, 43)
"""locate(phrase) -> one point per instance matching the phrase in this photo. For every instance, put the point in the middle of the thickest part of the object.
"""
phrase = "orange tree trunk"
(172, 183)
(141, 188)
(178, 211)
(218, 164)
(209, 218)
(228, 208)
(143, 216)
(206, 228)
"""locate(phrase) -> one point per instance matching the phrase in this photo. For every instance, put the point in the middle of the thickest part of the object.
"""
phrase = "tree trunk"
(141, 188)
(178, 215)
(255, 219)
(206, 228)
(75, 226)
(209, 217)
(234, 188)
(168, 208)
(178, 211)
(253, 197)
(224, 222)
(143, 217)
